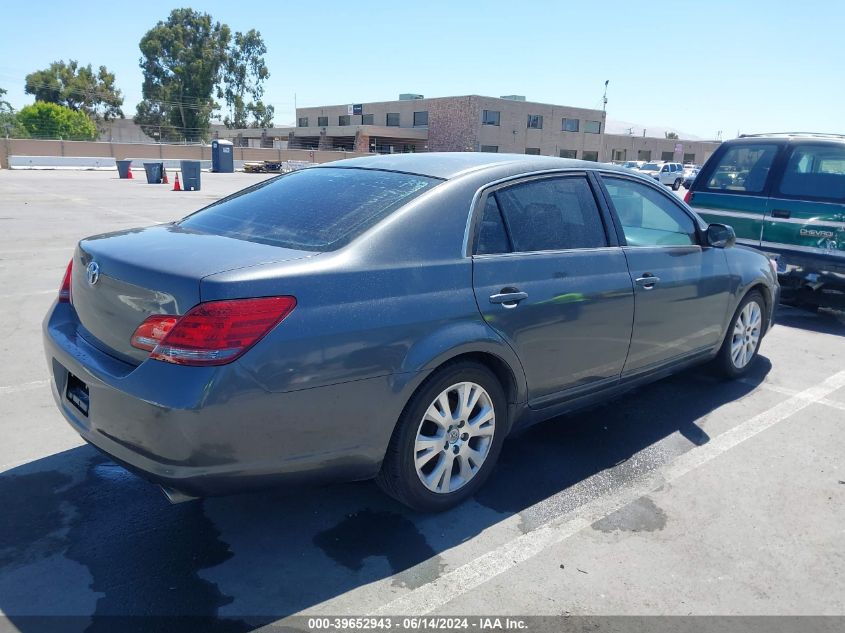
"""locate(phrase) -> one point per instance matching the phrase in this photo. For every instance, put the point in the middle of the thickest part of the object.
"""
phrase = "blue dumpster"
(222, 156)
(123, 168)
(154, 172)
(190, 174)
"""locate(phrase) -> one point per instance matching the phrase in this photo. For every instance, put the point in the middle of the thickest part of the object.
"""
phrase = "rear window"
(318, 209)
(815, 172)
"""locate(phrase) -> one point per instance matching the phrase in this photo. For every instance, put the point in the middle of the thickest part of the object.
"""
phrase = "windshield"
(318, 209)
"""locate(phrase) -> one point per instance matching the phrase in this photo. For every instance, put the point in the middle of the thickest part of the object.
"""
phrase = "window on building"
(590, 155)
(552, 214)
(648, 217)
(569, 125)
(619, 155)
(534, 151)
(343, 119)
(689, 158)
(535, 121)
(367, 119)
(490, 117)
(644, 154)
(667, 156)
(816, 172)
(490, 149)
(392, 119)
(569, 153)
(420, 119)
(592, 127)
(303, 121)
(322, 121)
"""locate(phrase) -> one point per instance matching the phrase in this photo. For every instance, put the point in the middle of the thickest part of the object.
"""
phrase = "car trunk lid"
(119, 279)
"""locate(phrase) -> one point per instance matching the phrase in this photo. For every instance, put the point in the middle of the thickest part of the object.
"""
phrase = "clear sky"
(700, 67)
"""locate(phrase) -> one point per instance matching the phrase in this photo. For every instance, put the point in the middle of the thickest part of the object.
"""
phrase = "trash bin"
(190, 174)
(222, 156)
(123, 168)
(154, 172)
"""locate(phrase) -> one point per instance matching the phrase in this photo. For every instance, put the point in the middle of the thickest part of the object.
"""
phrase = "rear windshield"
(318, 209)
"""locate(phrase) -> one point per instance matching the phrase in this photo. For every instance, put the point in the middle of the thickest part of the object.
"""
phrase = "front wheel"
(742, 342)
(447, 440)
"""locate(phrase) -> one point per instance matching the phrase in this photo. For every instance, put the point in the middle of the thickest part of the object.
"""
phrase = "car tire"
(676, 185)
(459, 459)
(742, 341)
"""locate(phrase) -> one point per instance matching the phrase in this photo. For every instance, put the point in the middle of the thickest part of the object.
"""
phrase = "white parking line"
(19, 295)
(440, 591)
(27, 386)
(792, 392)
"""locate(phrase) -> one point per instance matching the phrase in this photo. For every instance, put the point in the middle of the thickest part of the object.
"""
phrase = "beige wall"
(29, 147)
(633, 144)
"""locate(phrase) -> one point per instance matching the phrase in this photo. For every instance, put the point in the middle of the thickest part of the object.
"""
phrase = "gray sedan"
(391, 318)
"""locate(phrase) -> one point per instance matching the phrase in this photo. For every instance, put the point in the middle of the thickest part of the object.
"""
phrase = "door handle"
(508, 299)
(647, 281)
(780, 213)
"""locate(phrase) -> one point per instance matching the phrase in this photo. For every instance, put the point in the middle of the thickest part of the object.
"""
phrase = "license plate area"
(77, 394)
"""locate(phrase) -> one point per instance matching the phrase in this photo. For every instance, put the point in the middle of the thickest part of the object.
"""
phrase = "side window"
(815, 172)
(743, 168)
(648, 217)
(492, 237)
(552, 214)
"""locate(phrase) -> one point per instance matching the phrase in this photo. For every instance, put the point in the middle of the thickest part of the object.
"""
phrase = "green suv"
(783, 194)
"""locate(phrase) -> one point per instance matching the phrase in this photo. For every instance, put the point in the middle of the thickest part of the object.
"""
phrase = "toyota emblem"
(92, 273)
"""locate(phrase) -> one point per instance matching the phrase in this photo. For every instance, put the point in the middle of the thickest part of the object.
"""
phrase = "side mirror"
(720, 236)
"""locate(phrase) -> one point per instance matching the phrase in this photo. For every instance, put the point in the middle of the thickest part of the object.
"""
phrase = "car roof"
(816, 136)
(447, 165)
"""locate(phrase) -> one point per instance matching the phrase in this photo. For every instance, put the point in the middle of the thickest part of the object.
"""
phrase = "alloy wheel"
(454, 437)
(746, 334)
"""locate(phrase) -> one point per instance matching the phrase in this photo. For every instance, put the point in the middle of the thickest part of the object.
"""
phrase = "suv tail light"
(688, 197)
(64, 289)
(212, 333)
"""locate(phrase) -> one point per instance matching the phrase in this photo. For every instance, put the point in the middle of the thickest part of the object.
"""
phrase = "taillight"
(64, 290)
(213, 333)
(688, 197)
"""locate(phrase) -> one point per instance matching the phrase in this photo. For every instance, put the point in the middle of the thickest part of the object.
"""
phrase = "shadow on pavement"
(80, 536)
(823, 322)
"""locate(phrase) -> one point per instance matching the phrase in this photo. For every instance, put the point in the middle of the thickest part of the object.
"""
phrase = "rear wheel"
(676, 185)
(742, 342)
(447, 440)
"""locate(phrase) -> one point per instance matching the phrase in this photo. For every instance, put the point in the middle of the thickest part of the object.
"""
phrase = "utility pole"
(603, 156)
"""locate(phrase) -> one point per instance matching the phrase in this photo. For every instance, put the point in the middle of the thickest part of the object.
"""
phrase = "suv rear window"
(815, 172)
(317, 209)
(743, 168)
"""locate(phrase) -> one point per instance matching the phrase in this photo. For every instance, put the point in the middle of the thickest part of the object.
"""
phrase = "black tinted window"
(315, 209)
(743, 168)
(815, 172)
(491, 234)
(552, 214)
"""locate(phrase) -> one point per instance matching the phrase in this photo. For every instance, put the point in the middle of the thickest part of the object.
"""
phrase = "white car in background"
(669, 174)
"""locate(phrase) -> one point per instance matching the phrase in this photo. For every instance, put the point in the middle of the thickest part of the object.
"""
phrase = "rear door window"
(317, 209)
(815, 172)
(552, 214)
(492, 237)
(743, 168)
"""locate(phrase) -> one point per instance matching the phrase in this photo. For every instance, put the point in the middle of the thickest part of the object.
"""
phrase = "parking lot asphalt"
(688, 496)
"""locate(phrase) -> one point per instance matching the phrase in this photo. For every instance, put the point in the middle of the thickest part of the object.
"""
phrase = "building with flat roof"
(471, 123)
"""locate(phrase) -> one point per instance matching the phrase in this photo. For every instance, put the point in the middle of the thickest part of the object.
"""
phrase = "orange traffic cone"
(176, 185)
(129, 175)
(164, 179)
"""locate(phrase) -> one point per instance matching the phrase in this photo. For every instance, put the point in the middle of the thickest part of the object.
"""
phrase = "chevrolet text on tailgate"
(784, 194)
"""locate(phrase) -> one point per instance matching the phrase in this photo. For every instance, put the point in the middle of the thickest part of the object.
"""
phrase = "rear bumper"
(813, 280)
(213, 430)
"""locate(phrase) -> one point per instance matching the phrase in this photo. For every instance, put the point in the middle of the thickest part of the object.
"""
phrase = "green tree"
(187, 61)
(5, 106)
(243, 77)
(50, 120)
(672, 135)
(182, 59)
(9, 125)
(78, 88)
